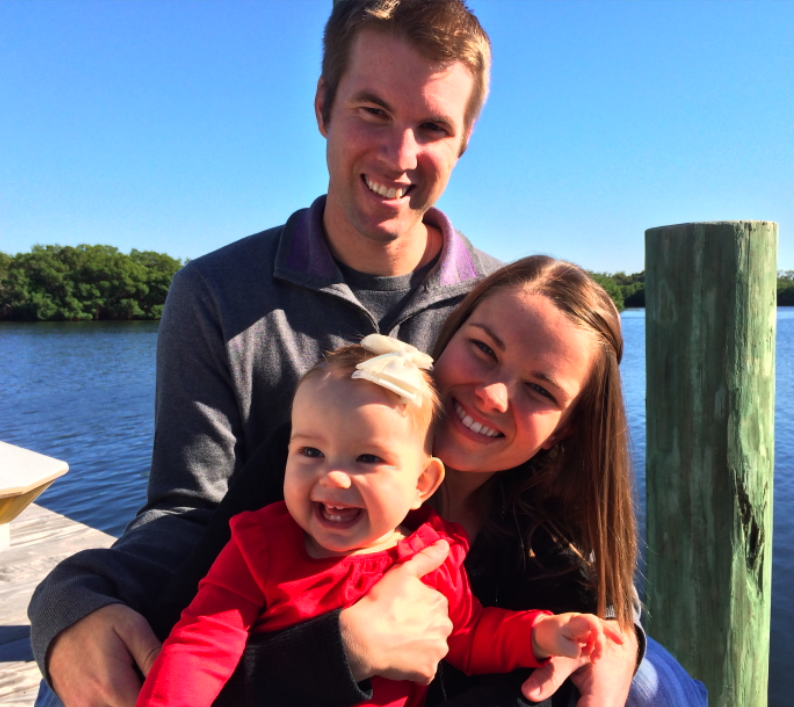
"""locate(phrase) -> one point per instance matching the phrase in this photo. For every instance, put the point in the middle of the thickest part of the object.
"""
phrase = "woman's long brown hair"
(581, 488)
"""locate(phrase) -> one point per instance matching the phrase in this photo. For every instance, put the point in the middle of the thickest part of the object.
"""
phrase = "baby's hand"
(572, 635)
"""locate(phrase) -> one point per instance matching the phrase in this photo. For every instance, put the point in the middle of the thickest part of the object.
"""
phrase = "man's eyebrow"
(443, 120)
(369, 97)
(365, 96)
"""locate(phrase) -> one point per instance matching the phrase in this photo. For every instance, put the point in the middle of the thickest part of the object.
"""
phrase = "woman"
(535, 445)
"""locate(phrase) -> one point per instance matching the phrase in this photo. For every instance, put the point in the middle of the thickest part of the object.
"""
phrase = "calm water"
(84, 392)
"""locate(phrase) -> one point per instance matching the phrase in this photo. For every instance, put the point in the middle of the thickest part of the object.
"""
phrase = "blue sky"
(181, 126)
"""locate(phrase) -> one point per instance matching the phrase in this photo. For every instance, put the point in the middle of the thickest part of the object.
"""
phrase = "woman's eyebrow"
(490, 332)
(546, 378)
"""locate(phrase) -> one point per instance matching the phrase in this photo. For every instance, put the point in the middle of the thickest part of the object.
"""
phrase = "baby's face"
(355, 465)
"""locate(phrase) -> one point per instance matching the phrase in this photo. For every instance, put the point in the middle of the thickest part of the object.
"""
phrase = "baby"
(359, 469)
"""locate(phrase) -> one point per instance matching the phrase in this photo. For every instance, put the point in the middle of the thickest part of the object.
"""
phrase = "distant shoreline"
(84, 283)
(99, 283)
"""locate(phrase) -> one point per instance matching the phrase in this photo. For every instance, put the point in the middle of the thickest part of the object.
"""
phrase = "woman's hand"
(399, 629)
(92, 662)
(602, 684)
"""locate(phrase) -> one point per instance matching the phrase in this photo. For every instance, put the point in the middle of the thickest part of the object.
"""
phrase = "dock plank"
(40, 539)
(19, 683)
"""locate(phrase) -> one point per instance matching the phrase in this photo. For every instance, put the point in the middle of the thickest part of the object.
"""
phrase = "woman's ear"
(559, 434)
(429, 480)
(319, 103)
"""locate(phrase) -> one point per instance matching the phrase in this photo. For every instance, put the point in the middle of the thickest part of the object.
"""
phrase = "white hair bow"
(396, 367)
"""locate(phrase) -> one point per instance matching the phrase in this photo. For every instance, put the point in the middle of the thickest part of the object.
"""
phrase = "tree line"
(55, 282)
(785, 288)
(70, 283)
(629, 290)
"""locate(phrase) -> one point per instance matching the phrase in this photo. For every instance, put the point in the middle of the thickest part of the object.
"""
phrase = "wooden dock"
(39, 540)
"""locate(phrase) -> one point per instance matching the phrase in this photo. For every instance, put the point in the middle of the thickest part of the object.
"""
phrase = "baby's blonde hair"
(343, 362)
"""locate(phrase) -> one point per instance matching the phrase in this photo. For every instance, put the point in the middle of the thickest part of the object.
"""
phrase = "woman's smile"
(473, 425)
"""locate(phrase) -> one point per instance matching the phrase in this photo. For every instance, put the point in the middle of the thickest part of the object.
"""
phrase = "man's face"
(396, 130)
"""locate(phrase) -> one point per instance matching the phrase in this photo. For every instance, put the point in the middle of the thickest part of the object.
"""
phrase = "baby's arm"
(205, 646)
(572, 635)
(483, 640)
(495, 640)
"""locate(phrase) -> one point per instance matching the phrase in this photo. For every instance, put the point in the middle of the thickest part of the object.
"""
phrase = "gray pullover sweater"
(240, 326)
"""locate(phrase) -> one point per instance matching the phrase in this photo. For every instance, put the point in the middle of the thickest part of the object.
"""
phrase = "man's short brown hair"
(443, 31)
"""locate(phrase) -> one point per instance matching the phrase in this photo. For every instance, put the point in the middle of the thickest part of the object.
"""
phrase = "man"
(401, 86)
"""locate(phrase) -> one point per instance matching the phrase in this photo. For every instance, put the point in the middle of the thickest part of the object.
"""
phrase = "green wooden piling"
(710, 357)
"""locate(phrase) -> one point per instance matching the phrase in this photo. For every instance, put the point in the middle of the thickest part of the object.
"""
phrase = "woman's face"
(509, 380)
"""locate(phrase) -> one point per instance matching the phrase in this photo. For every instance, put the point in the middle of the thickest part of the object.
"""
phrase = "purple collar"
(309, 252)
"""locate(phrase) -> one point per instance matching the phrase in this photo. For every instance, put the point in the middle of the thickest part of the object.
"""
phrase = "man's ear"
(429, 480)
(559, 434)
(319, 102)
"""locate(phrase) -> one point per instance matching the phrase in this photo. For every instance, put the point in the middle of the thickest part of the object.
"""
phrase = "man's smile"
(387, 192)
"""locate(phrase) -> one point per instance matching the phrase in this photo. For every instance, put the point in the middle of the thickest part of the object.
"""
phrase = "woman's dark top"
(306, 665)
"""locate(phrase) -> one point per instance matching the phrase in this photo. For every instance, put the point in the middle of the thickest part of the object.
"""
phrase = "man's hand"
(603, 684)
(91, 662)
(399, 629)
